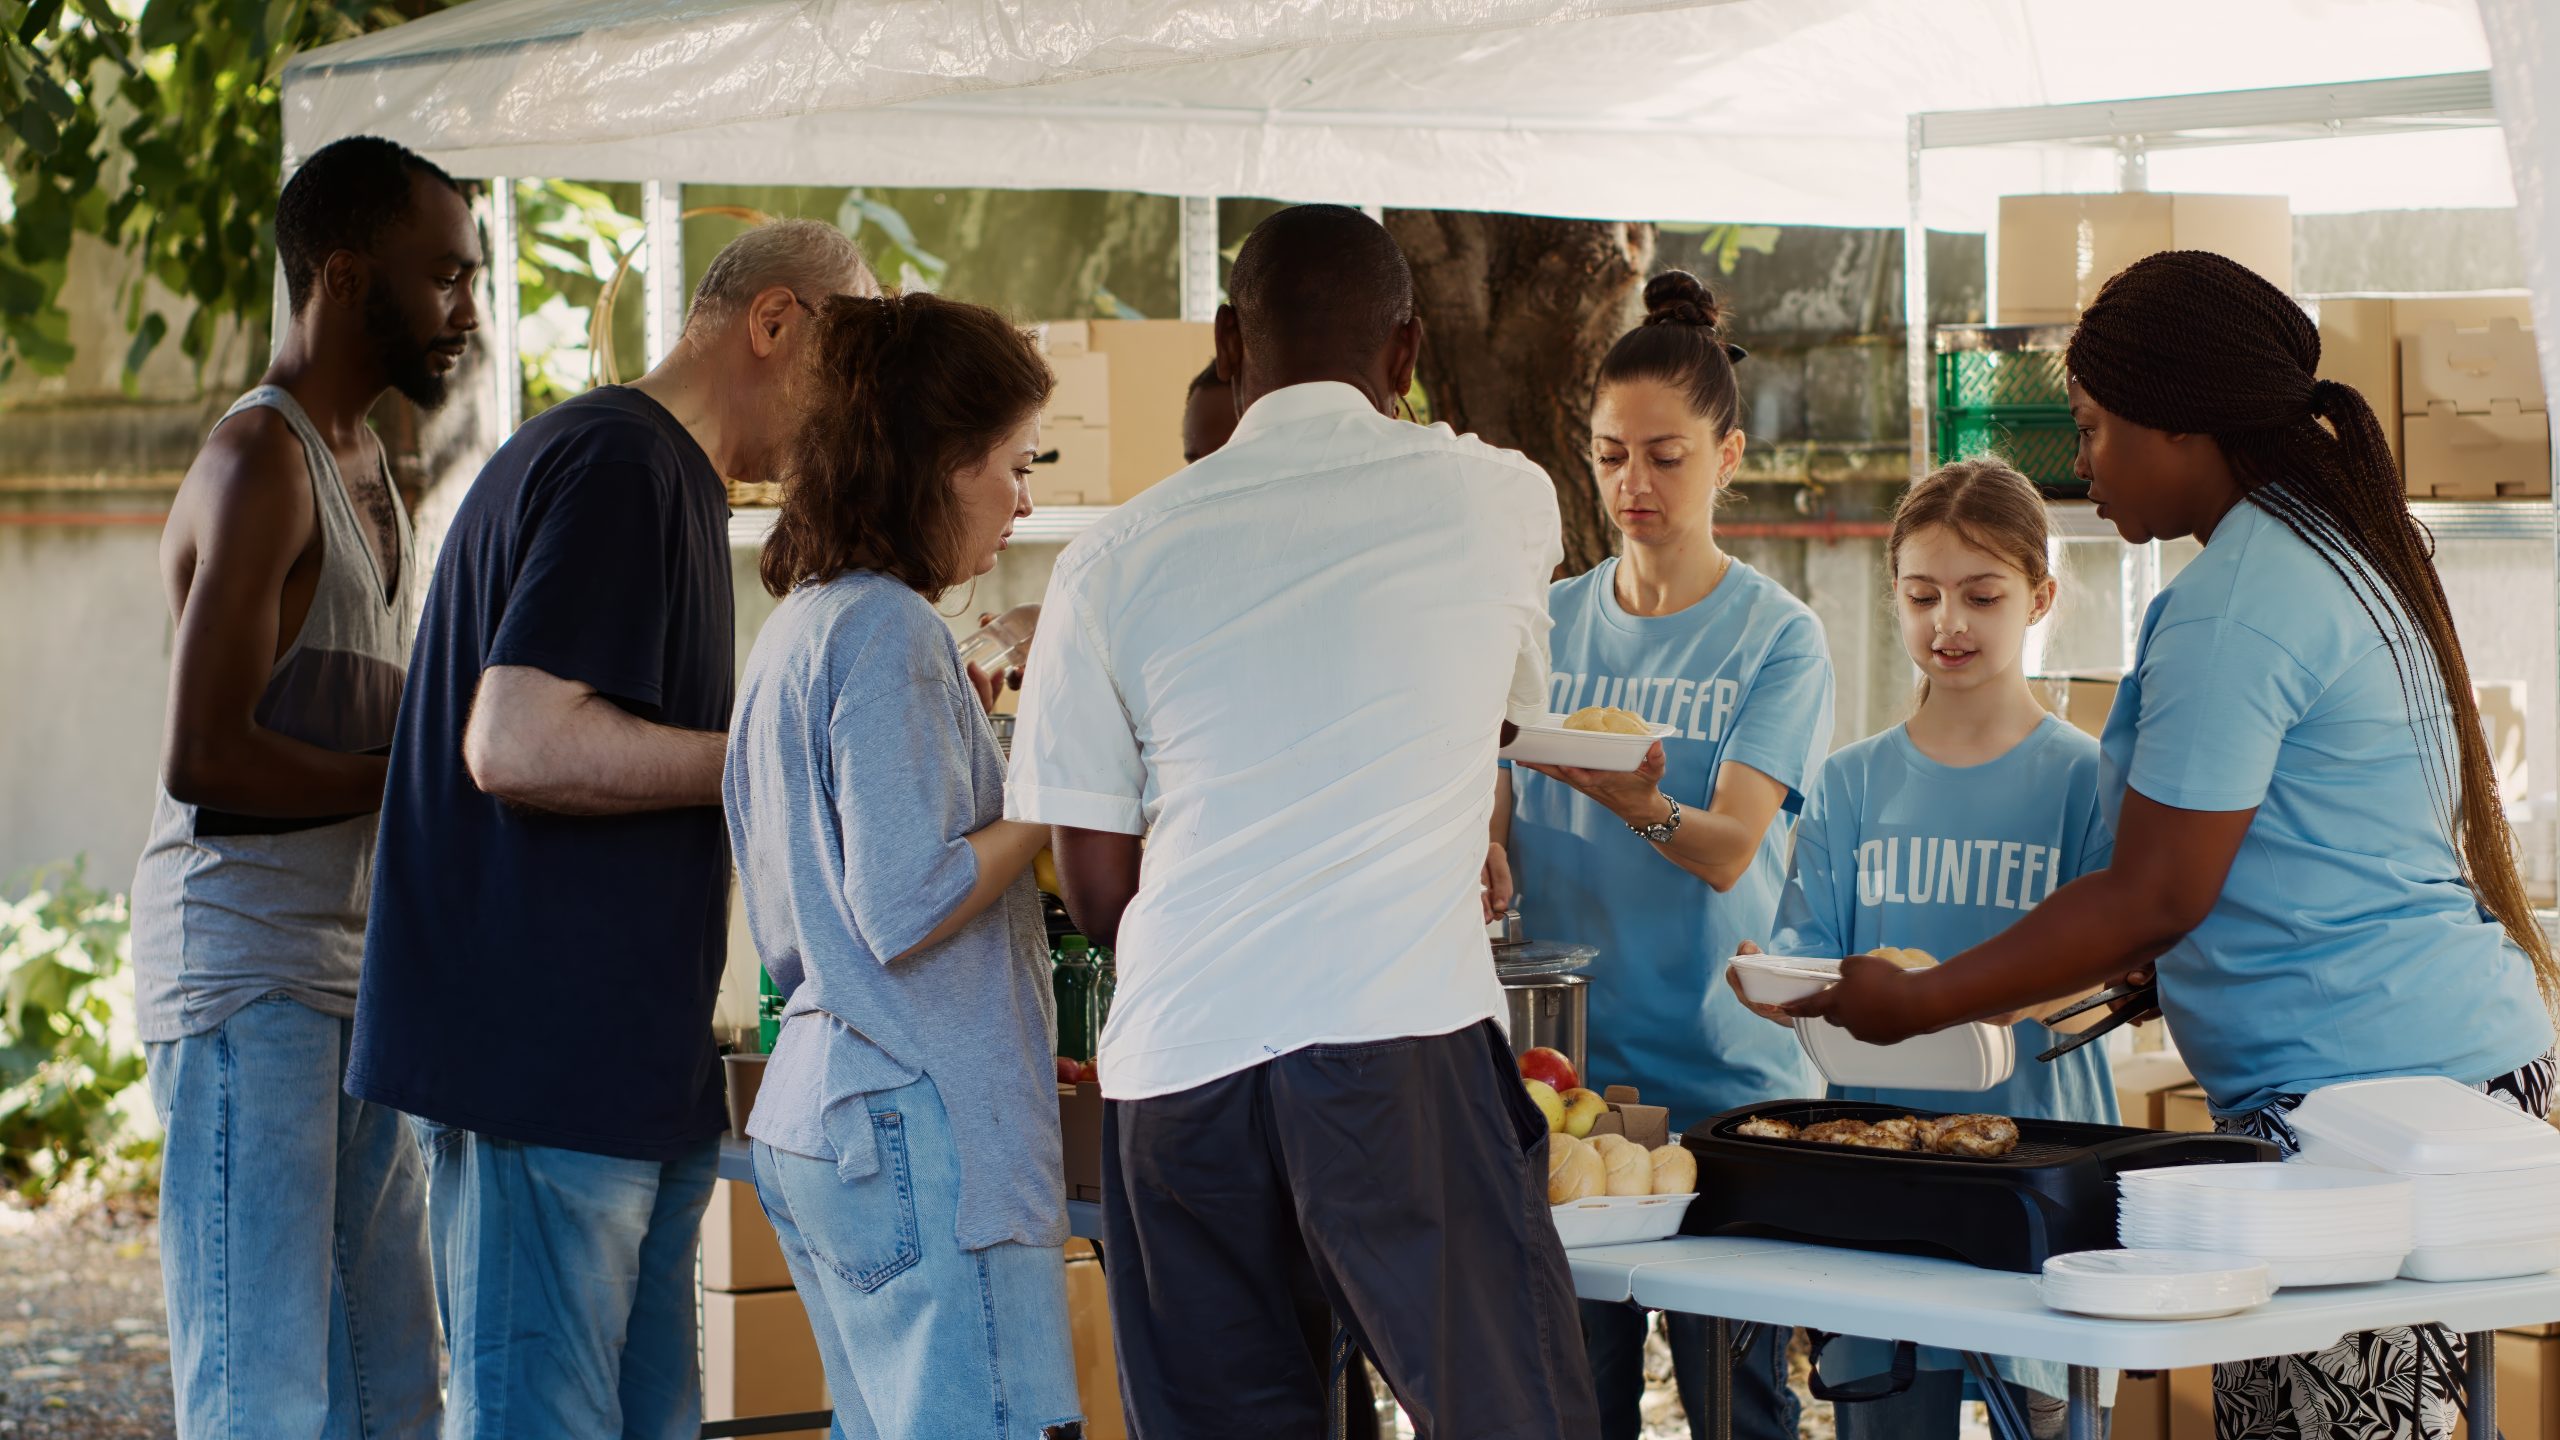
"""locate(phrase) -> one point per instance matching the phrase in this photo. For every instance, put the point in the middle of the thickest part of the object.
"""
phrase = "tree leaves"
(172, 156)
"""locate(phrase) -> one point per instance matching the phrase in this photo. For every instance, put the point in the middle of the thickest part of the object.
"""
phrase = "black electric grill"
(2055, 1193)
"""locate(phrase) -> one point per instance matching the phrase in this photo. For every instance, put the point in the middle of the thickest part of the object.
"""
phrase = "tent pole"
(661, 214)
(1199, 257)
(506, 368)
(1915, 303)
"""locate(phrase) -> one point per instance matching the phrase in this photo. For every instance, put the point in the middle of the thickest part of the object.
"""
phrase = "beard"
(404, 358)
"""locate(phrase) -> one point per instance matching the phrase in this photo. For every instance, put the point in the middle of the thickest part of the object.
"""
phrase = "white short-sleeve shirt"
(1287, 667)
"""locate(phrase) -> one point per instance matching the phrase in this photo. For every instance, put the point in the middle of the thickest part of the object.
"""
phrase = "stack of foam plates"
(2155, 1284)
(2314, 1225)
(2485, 1176)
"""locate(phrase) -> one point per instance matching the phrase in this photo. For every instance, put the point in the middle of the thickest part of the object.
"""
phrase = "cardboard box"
(1080, 1131)
(2359, 347)
(1127, 378)
(2185, 1108)
(2468, 310)
(758, 1358)
(2057, 250)
(739, 1251)
(1074, 467)
(2142, 1406)
(2082, 697)
(1645, 1125)
(2470, 369)
(2143, 1083)
(2456, 455)
(2191, 1403)
(1097, 1365)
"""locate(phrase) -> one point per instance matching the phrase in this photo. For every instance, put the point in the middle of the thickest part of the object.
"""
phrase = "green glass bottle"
(1071, 980)
(1106, 983)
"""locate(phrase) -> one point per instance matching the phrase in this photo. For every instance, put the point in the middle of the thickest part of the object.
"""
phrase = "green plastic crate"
(1984, 367)
(2039, 440)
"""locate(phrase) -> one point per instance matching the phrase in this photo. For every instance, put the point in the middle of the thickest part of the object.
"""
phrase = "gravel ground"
(84, 1339)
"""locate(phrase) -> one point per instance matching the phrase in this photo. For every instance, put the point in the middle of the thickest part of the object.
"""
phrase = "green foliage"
(154, 126)
(571, 239)
(1727, 243)
(70, 1065)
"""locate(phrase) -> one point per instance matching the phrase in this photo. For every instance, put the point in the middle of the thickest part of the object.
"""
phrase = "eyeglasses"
(803, 304)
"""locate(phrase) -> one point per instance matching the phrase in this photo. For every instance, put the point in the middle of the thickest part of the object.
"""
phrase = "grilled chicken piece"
(1901, 1133)
(1836, 1132)
(1766, 1127)
(1975, 1137)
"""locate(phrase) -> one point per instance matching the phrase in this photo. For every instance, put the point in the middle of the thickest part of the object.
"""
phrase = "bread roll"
(1630, 1168)
(1675, 1170)
(1574, 1171)
(1608, 720)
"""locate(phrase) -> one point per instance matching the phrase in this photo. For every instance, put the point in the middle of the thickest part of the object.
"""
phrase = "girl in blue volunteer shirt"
(2309, 835)
(1668, 868)
(1940, 832)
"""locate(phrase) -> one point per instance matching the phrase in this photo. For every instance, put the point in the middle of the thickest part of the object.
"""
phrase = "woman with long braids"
(2310, 849)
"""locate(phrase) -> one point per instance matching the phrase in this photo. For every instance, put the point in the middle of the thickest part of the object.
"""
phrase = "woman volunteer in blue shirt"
(1670, 867)
(1940, 832)
(2310, 838)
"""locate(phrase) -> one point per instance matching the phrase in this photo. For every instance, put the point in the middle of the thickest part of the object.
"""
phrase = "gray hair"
(810, 258)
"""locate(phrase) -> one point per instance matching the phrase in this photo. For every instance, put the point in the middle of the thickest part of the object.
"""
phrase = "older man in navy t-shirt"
(551, 883)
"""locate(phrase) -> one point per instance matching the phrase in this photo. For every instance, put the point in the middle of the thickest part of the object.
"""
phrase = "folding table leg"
(2482, 1409)
(2087, 1420)
(1720, 1378)
(2006, 1422)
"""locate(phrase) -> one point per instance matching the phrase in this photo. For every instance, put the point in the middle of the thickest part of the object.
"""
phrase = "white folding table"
(1961, 1307)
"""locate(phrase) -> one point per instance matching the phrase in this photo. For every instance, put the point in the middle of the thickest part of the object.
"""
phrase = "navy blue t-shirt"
(549, 978)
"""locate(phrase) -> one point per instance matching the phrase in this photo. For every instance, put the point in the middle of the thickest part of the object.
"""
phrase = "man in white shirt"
(1287, 667)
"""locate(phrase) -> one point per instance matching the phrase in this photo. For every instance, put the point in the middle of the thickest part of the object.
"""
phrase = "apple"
(1089, 1073)
(1067, 1070)
(1548, 1102)
(1582, 1109)
(1549, 1065)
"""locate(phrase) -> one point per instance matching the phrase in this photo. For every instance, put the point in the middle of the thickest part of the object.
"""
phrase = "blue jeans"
(566, 1283)
(293, 1239)
(920, 1338)
(1932, 1409)
(1764, 1408)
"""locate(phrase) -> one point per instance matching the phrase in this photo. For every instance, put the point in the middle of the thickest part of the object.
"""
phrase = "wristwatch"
(1662, 833)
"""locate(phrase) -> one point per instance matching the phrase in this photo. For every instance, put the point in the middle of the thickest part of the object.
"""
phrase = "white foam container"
(1549, 743)
(2483, 1262)
(1783, 979)
(1967, 1058)
(2316, 1225)
(2155, 1284)
(1619, 1219)
(2420, 1125)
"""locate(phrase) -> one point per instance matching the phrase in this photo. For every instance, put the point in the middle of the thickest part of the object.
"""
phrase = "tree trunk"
(1517, 311)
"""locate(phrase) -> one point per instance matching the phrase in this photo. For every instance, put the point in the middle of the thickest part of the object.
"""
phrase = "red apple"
(1090, 1071)
(1549, 1065)
(1067, 1070)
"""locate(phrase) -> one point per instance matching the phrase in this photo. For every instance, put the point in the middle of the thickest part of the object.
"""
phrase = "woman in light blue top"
(1668, 868)
(2310, 840)
(906, 1134)
(1939, 833)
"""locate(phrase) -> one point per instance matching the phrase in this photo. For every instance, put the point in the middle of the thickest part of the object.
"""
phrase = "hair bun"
(1675, 297)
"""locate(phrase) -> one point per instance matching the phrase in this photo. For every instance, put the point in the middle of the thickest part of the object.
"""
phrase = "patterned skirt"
(2380, 1385)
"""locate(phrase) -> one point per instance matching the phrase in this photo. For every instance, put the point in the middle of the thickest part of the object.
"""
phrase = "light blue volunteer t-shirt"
(2346, 944)
(1744, 677)
(1897, 849)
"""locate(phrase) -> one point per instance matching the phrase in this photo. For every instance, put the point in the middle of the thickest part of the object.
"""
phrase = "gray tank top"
(227, 908)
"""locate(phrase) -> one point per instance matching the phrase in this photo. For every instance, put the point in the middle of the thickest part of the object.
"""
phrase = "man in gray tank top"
(293, 1236)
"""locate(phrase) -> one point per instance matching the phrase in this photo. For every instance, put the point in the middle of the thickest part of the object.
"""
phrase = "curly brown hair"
(914, 389)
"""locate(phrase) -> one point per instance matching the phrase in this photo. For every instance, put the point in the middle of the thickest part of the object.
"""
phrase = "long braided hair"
(2196, 344)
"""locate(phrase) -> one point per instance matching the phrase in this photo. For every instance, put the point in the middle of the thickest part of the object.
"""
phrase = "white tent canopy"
(1773, 111)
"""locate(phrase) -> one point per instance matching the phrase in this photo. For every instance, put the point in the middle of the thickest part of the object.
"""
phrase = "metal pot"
(1548, 1010)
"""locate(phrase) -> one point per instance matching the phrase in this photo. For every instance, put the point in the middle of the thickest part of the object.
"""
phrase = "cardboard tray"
(2054, 1194)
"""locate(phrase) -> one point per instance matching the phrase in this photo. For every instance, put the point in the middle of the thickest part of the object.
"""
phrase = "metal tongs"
(2133, 1004)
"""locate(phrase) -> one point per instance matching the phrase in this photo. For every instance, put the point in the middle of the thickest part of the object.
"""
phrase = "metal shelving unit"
(2131, 130)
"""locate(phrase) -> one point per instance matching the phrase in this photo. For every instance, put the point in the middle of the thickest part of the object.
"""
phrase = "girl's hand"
(1876, 1000)
(1497, 884)
(1770, 1013)
(987, 685)
(1634, 796)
